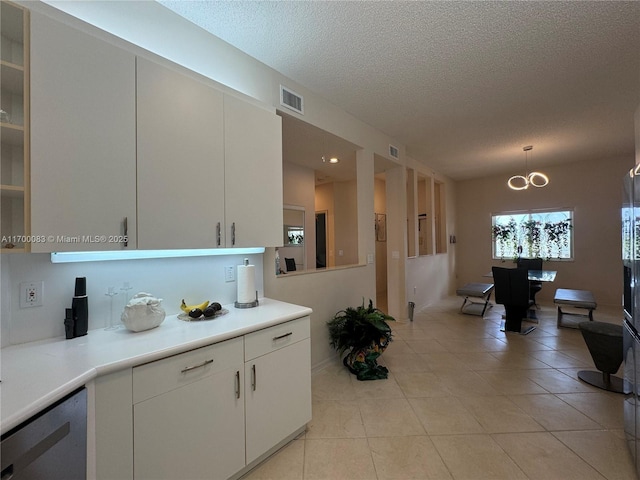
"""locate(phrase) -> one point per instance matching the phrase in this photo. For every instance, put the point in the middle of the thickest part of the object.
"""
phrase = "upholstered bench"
(583, 299)
(475, 290)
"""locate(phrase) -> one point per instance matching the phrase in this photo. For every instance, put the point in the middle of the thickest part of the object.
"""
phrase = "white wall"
(195, 279)
(346, 223)
(593, 189)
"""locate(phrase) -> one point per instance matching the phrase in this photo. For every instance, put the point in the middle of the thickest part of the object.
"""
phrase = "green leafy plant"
(504, 234)
(364, 333)
(531, 230)
(558, 235)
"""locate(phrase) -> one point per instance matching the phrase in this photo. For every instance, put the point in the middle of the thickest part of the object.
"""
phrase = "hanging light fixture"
(522, 182)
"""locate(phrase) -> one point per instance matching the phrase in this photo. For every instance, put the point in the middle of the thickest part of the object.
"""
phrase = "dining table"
(542, 275)
(535, 275)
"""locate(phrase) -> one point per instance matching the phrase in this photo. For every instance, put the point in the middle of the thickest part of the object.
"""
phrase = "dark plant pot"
(363, 362)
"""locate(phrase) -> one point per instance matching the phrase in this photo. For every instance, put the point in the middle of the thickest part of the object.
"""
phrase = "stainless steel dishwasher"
(50, 446)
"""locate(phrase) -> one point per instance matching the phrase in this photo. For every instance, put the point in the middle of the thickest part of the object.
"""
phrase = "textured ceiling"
(464, 85)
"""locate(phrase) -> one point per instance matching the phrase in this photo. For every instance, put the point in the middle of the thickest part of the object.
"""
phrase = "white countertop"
(35, 375)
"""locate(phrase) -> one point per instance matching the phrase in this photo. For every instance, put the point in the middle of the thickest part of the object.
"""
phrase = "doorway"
(321, 239)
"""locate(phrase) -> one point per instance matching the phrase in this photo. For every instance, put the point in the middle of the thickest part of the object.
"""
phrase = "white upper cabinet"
(83, 145)
(209, 165)
(181, 170)
(123, 145)
(253, 174)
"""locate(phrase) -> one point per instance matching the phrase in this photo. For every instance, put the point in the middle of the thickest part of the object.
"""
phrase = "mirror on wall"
(292, 253)
(294, 235)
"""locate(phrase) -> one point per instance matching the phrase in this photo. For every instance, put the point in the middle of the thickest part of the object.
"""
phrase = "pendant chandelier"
(522, 182)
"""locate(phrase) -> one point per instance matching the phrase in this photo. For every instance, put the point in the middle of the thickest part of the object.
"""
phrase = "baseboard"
(317, 368)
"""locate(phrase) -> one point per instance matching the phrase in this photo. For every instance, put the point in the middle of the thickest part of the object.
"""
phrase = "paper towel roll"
(246, 283)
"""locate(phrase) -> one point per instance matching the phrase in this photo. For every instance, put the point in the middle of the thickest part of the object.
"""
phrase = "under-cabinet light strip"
(70, 257)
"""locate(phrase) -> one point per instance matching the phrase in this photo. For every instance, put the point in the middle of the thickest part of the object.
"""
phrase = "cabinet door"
(180, 160)
(278, 396)
(193, 432)
(253, 175)
(83, 165)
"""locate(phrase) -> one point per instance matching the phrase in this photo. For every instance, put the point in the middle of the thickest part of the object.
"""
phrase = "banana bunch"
(188, 308)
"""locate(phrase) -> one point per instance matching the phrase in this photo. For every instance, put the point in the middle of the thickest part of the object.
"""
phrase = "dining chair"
(511, 287)
(531, 264)
(291, 264)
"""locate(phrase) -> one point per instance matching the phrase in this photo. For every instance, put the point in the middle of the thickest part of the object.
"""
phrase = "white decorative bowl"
(143, 312)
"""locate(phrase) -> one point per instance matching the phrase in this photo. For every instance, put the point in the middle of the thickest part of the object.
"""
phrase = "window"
(533, 234)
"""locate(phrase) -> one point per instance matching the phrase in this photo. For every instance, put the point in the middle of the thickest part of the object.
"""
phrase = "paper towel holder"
(255, 303)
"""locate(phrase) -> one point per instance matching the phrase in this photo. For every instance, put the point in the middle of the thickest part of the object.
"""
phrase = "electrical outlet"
(229, 274)
(31, 294)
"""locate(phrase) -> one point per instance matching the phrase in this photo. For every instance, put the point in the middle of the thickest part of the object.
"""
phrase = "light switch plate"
(229, 274)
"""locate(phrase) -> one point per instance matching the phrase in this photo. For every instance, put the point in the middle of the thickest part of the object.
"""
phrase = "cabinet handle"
(233, 233)
(218, 234)
(238, 384)
(125, 229)
(253, 377)
(193, 367)
(280, 337)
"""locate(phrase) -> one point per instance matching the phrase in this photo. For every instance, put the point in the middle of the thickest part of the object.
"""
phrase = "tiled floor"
(464, 401)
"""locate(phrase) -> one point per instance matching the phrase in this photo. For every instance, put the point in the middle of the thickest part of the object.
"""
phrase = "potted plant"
(364, 333)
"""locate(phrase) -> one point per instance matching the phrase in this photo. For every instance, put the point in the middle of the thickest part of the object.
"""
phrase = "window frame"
(525, 251)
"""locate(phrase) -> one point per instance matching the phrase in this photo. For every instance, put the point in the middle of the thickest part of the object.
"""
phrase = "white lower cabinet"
(193, 426)
(209, 413)
(277, 385)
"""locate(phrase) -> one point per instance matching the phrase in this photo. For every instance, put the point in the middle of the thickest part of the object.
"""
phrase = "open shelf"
(14, 131)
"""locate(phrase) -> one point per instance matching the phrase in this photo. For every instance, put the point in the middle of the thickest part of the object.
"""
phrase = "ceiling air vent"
(290, 99)
(393, 152)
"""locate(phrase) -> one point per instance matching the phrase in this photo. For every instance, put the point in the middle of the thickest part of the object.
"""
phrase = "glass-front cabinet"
(14, 127)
